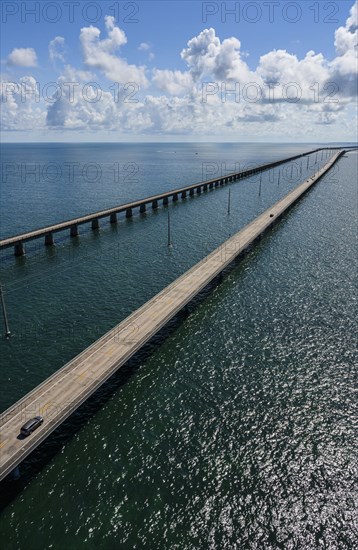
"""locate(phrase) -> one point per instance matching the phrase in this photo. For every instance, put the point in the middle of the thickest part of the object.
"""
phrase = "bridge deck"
(59, 395)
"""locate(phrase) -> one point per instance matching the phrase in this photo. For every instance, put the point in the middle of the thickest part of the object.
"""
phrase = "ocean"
(236, 429)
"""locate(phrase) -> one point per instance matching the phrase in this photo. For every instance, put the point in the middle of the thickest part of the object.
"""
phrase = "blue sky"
(147, 40)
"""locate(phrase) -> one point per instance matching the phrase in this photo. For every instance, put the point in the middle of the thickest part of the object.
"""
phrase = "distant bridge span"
(17, 241)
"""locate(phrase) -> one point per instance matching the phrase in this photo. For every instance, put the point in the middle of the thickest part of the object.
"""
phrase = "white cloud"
(180, 107)
(293, 77)
(22, 57)
(344, 68)
(173, 82)
(143, 46)
(207, 56)
(100, 54)
(56, 49)
(21, 108)
(346, 38)
(71, 74)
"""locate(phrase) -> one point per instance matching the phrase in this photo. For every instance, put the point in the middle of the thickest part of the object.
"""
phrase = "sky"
(77, 70)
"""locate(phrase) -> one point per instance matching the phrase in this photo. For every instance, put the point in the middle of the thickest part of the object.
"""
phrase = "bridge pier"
(49, 239)
(129, 213)
(18, 241)
(19, 249)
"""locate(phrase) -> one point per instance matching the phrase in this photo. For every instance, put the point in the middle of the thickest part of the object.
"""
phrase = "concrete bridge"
(47, 233)
(63, 392)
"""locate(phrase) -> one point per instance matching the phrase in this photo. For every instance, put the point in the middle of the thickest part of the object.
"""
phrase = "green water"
(237, 431)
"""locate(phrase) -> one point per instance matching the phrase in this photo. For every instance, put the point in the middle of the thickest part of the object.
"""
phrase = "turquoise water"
(237, 430)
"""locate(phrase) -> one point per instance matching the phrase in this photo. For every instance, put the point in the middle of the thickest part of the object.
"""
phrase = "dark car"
(31, 425)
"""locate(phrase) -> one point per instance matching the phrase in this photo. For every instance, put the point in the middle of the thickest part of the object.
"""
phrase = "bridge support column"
(154, 204)
(49, 239)
(221, 182)
(113, 218)
(191, 192)
(74, 230)
(142, 208)
(211, 185)
(129, 213)
(175, 197)
(183, 195)
(165, 201)
(205, 187)
(216, 184)
(95, 223)
(198, 190)
(19, 249)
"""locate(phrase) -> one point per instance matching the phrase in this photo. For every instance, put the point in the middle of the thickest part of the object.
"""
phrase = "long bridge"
(17, 241)
(62, 393)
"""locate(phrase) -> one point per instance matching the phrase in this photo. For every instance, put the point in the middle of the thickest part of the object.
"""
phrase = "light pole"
(7, 330)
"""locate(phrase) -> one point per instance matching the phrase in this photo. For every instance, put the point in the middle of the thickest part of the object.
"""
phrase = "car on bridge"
(31, 425)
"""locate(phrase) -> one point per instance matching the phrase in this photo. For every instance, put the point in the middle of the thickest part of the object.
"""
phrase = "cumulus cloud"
(101, 54)
(207, 56)
(326, 90)
(346, 38)
(344, 68)
(77, 113)
(22, 57)
(172, 82)
(56, 49)
(21, 108)
(294, 78)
